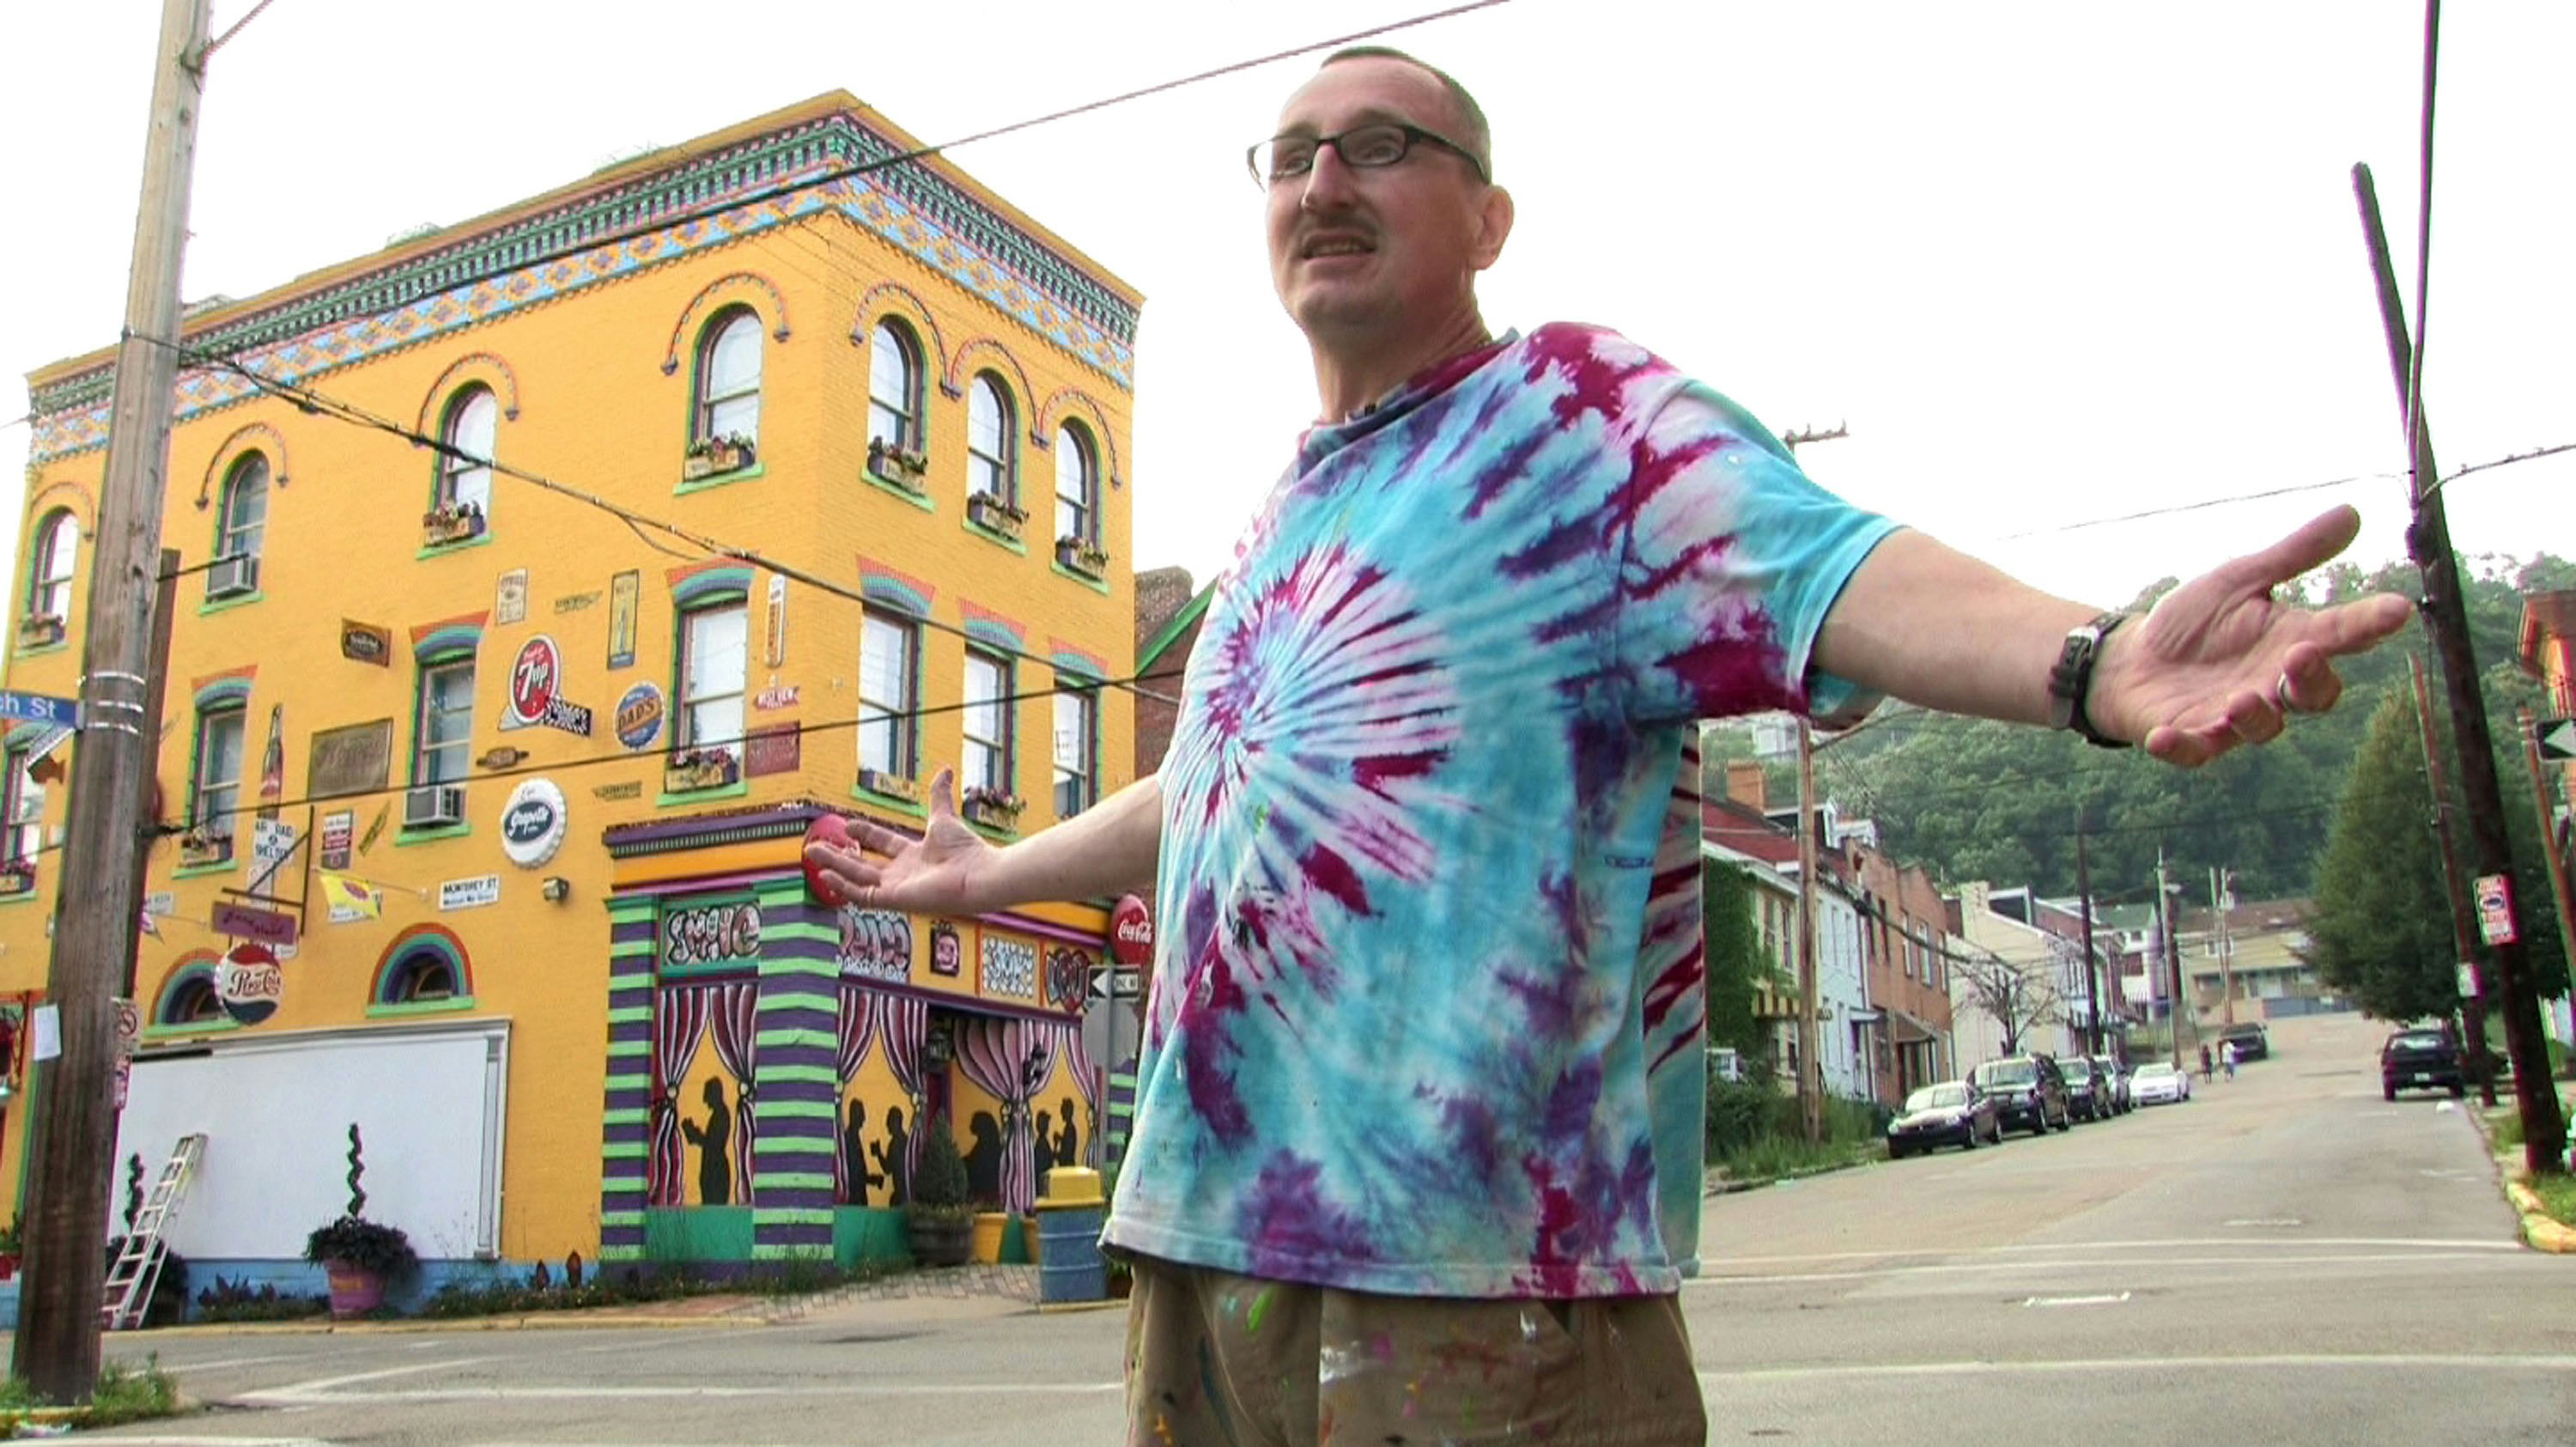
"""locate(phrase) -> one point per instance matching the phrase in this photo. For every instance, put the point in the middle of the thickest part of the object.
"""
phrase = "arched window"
(989, 433)
(894, 387)
(1077, 485)
(421, 976)
(49, 586)
(245, 517)
(472, 426)
(192, 1001)
(729, 378)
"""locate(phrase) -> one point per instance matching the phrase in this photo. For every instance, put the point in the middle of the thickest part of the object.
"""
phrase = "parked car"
(2028, 1090)
(2088, 1095)
(2117, 1072)
(2160, 1084)
(2251, 1040)
(1951, 1113)
(2423, 1059)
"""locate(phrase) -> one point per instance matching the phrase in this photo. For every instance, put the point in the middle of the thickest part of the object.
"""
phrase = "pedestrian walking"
(2227, 1057)
(2205, 1069)
(1402, 1161)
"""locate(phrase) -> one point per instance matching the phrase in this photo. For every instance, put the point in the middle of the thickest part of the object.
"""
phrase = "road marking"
(306, 1397)
(2430, 1243)
(228, 1362)
(2161, 1263)
(2115, 1298)
(2267, 1221)
(218, 1441)
(2557, 1364)
(321, 1388)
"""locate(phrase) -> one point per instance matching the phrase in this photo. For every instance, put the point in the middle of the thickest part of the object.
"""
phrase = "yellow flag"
(351, 896)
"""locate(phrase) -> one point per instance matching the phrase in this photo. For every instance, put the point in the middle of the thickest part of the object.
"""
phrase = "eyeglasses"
(1285, 158)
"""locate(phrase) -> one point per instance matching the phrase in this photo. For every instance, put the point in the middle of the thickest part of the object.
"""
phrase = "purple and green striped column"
(796, 1062)
(626, 1119)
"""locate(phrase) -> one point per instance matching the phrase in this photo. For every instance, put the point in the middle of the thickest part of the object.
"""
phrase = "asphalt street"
(2284, 1259)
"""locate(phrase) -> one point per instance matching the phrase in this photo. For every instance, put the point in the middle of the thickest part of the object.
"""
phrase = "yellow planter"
(985, 1245)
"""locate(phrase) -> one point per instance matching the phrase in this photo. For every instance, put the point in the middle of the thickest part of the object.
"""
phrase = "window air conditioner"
(433, 806)
(233, 576)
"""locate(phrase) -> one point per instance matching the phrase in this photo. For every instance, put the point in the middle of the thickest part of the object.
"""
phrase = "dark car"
(2251, 1040)
(2088, 1092)
(2028, 1091)
(2117, 1072)
(1951, 1113)
(2426, 1059)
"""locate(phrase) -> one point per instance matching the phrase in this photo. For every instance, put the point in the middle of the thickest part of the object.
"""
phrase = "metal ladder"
(137, 1268)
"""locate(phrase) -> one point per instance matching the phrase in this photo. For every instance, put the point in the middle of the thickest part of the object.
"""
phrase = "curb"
(2540, 1230)
(1062, 1308)
(551, 1321)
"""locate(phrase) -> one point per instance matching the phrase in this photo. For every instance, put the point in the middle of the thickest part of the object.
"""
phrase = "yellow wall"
(595, 411)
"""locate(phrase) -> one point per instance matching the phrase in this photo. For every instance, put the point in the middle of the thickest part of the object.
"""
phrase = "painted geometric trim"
(448, 636)
(229, 689)
(434, 940)
(1069, 659)
(919, 317)
(194, 965)
(476, 367)
(1051, 419)
(983, 625)
(699, 584)
(879, 583)
(703, 303)
(253, 437)
(39, 499)
(954, 384)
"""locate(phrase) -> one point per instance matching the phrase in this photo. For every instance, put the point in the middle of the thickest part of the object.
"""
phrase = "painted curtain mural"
(703, 1123)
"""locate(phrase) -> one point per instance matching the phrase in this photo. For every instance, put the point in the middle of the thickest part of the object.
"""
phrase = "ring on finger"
(2281, 696)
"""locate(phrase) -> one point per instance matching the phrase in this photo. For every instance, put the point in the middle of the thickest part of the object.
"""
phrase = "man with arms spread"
(1416, 1153)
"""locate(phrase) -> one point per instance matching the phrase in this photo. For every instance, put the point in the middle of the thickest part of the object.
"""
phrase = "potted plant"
(202, 845)
(43, 630)
(937, 1220)
(361, 1256)
(12, 1246)
(1081, 555)
(17, 876)
(709, 456)
(990, 807)
(892, 786)
(904, 467)
(451, 522)
(995, 515)
(693, 769)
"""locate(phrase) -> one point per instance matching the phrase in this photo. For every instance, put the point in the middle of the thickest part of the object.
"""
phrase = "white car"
(2159, 1084)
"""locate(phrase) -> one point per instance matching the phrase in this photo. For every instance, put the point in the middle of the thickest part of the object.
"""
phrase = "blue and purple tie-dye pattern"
(1428, 1006)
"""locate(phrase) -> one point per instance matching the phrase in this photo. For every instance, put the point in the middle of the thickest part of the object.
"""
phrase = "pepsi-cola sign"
(249, 983)
(533, 823)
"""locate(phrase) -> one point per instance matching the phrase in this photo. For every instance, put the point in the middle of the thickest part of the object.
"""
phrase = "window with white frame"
(987, 752)
(245, 511)
(989, 439)
(57, 554)
(217, 793)
(889, 692)
(894, 387)
(728, 403)
(1077, 485)
(445, 729)
(715, 666)
(472, 427)
(1077, 748)
(22, 810)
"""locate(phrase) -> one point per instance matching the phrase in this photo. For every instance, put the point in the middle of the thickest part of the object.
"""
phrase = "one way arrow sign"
(2558, 738)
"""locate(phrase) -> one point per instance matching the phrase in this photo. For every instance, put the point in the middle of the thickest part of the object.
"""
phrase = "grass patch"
(2557, 1195)
(123, 1394)
(1777, 1158)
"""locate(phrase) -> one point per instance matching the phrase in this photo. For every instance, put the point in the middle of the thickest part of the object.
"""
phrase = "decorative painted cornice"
(696, 585)
(461, 634)
(435, 293)
(986, 626)
(1069, 659)
(228, 689)
(893, 588)
(422, 939)
(706, 831)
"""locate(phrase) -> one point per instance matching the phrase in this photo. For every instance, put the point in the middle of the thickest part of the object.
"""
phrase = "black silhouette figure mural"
(984, 1158)
(714, 1141)
(854, 1155)
(1042, 1148)
(894, 1162)
(1068, 1140)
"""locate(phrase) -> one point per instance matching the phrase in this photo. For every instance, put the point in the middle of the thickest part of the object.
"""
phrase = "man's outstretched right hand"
(946, 871)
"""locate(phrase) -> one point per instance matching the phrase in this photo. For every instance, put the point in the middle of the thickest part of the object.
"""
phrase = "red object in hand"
(829, 829)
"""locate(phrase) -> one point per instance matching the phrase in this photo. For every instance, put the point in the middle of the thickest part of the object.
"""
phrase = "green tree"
(2380, 928)
(1736, 965)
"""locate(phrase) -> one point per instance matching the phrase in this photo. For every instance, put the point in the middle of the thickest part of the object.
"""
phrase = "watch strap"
(2070, 681)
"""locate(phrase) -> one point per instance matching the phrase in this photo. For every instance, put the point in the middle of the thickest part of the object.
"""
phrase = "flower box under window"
(200, 847)
(450, 523)
(892, 786)
(992, 808)
(691, 770)
(994, 515)
(904, 467)
(41, 631)
(1081, 555)
(17, 876)
(713, 456)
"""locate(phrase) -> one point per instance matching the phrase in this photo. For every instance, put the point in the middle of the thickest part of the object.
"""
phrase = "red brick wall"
(1160, 595)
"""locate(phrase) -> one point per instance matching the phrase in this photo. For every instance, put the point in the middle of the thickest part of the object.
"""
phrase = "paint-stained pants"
(1218, 1360)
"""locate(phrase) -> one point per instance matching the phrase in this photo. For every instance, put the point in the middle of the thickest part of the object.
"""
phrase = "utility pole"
(2548, 835)
(2473, 1024)
(1811, 1074)
(2166, 955)
(2092, 964)
(99, 903)
(2222, 898)
(2428, 540)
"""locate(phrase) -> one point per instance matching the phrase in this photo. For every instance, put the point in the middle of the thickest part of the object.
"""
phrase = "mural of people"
(984, 1158)
(714, 1141)
(1068, 1140)
(1042, 1146)
(854, 1155)
(894, 1164)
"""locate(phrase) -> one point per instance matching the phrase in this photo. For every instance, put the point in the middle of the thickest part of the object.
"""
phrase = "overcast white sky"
(2050, 262)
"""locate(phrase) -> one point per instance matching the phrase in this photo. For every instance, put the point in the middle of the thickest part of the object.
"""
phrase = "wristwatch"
(2072, 679)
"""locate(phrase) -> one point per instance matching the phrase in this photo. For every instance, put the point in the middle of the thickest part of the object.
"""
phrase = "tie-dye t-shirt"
(1428, 1009)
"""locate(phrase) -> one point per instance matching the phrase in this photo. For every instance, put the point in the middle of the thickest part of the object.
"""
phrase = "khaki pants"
(1218, 1360)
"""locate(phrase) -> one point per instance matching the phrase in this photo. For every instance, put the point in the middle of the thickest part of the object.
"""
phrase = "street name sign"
(40, 708)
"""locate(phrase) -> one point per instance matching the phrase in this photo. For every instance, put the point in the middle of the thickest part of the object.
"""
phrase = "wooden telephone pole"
(99, 903)
(2474, 1011)
(1811, 1069)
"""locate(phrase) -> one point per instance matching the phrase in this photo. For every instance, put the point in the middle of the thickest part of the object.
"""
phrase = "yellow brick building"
(568, 761)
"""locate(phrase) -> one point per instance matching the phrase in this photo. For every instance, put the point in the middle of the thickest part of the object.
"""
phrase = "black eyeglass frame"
(1413, 136)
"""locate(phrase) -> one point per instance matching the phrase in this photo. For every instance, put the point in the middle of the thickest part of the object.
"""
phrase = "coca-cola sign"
(1131, 932)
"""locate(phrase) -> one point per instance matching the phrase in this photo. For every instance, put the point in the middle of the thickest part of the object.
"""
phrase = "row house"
(2545, 647)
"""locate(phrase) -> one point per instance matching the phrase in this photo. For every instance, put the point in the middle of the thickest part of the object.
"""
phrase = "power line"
(2212, 502)
(238, 27)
